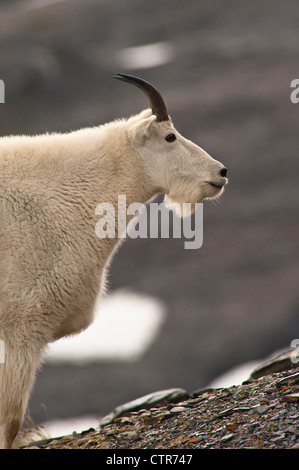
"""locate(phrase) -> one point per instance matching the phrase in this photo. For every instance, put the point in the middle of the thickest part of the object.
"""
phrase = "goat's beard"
(184, 205)
(182, 209)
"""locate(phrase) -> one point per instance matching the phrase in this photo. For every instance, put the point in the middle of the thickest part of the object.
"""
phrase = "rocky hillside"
(261, 413)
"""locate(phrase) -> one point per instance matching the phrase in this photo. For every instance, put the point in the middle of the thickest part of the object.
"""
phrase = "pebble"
(253, 425)
(243, 408)
(124, 420)
(145, 414)
(227, 412)
(262, 409)
(292, 430)
(129, 435)
(194, 401)
(227, 437)
(278, 438)
(290, 379)
(177, 409)
(291, 398)
(271, 390)
(231, 426)
(274, 418)
(152, 433)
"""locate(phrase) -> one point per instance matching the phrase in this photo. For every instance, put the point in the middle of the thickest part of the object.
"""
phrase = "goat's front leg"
(17, 372)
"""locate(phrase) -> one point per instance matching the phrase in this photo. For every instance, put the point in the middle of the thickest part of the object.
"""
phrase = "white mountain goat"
(52, 264)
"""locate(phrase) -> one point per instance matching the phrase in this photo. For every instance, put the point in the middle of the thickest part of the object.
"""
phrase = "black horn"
(155, 99)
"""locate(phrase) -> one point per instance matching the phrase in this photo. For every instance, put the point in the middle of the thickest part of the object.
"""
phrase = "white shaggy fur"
(52, 265)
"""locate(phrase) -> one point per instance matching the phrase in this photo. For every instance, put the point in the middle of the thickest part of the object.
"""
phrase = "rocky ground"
(261, 413)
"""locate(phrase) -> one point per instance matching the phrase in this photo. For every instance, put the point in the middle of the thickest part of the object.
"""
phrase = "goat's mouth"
(216, 185)
(216, 188)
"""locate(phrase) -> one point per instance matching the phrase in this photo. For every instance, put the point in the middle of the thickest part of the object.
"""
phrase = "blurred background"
(174, 317)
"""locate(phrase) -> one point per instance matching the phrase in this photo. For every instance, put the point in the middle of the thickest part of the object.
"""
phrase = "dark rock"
(291, 398)
(276, 363)
(162, 398)
(289, 380)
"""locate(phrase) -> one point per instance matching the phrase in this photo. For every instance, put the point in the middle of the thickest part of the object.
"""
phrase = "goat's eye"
(170, 138)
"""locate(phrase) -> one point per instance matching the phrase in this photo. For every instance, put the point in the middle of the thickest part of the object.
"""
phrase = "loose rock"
(162, 397)
(231, 420)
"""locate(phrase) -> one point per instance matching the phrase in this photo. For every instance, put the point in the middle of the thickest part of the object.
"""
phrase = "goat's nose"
(223, 172)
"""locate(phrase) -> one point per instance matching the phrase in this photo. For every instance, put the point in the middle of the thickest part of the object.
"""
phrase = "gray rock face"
(276, 363)
(160, 398)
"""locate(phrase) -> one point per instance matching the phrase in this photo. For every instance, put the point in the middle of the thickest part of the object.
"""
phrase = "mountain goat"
(52, 265)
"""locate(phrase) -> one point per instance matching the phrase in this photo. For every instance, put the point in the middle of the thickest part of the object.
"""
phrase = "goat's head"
(177, 167)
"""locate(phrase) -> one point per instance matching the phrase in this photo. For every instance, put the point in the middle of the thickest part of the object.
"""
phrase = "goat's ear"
(141, 130)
